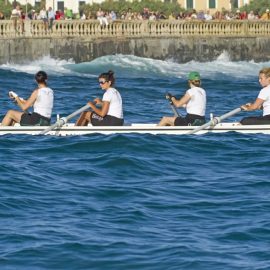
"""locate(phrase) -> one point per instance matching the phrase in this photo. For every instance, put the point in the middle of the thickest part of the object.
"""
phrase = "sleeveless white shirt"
(265, 95)
(44, 102)
(197, 103)
(113, 96)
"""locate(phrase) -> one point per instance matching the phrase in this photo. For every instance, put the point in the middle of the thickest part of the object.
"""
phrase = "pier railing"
(133, 29)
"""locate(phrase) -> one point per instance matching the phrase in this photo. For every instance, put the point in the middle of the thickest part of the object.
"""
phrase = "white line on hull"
(70, 129)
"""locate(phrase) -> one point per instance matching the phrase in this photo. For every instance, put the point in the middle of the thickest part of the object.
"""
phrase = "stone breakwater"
(179, 40)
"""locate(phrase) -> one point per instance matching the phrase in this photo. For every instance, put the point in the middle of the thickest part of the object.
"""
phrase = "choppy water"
(135, 201)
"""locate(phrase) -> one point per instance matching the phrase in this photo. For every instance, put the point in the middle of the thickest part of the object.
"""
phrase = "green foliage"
(258, 6)
(121, 6)
(5, 8)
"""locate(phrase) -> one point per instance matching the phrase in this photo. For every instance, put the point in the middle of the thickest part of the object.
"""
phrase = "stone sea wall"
(181, 41)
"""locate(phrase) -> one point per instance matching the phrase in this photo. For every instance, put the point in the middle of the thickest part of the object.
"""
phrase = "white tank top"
(44, 102)
(265, 95)
(197, 102)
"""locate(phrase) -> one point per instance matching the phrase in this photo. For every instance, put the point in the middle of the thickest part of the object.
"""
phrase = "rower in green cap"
(194, 76)
(194, 101)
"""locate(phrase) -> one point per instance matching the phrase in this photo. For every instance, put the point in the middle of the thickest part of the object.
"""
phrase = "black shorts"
(34, 119)
(256, 120)
(190, 120)
(107, 120)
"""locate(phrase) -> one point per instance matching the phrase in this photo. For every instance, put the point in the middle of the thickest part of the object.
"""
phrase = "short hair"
(265, 71)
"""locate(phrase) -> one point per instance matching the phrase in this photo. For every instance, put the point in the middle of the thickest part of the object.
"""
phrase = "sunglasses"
(102, 82)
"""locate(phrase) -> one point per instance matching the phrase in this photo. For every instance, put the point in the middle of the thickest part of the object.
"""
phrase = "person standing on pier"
(266, 15)
(2, 17)
(101, 17)
(15, 16)
(43, 16)
(51, 17)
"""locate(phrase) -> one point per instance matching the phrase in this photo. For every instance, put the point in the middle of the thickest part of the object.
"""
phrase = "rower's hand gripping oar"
(63, 120)
(169, 98)
(13, 96)
(216, 120)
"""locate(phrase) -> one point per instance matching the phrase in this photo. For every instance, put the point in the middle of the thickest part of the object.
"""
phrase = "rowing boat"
(71, 129)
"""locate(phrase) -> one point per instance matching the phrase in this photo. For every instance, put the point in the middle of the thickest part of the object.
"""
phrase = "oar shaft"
(82, 109)
(64, 120)
(215, 120)
(229, 114)
(176, 113)
(59, 123)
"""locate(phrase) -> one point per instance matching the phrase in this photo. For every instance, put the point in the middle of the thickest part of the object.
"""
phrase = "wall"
(168, 39)
(21, 50)
(203, 4)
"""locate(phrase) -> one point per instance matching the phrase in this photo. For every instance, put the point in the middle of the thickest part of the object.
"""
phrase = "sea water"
(135, 201)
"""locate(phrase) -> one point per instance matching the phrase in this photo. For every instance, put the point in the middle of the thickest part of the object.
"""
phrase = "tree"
(258, 6)
(136, 6)
(5, 7)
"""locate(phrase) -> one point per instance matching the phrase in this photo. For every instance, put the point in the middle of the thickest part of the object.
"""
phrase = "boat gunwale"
(71, 129)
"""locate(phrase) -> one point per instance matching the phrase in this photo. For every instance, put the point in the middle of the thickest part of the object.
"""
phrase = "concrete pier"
(179, 40)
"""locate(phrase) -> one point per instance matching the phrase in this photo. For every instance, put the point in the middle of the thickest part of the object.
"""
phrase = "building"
(212, 5)
(60, 4)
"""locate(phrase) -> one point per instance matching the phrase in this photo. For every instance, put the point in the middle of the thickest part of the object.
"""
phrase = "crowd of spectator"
(195, 15)
(104, 17)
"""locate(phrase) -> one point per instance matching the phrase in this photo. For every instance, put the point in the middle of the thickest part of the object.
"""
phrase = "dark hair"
(41, 77)
(108, 76)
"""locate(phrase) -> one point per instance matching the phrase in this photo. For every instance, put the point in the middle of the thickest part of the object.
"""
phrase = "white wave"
(133, 66)
(218, 68)
(46, 63)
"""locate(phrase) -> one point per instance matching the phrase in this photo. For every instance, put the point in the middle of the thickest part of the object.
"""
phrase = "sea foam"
(133, 66)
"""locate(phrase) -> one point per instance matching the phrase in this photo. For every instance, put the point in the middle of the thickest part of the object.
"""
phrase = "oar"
(176, 113)
(63, 120)
(215, 120)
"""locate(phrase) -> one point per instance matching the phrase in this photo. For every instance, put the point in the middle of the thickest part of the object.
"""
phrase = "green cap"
(194, 76)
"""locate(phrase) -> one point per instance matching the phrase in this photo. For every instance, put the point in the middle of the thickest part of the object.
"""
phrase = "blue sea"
(134, 201)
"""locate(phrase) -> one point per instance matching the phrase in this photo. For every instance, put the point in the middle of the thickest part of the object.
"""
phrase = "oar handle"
(169, 98)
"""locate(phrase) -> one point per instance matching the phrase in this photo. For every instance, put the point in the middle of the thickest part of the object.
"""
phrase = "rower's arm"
(104, 109)
(26, 104)
(181, 102)
(253, 106)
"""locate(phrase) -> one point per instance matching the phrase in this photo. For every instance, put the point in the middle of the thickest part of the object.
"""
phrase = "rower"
(111, 111)
(262, 101)
(42, 101)
(194, 101)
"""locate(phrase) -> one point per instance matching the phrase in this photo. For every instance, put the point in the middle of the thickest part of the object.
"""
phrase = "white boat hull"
(70, 129)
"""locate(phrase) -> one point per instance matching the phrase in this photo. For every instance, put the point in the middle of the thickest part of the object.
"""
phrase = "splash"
(127, 66)
(46, 63)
